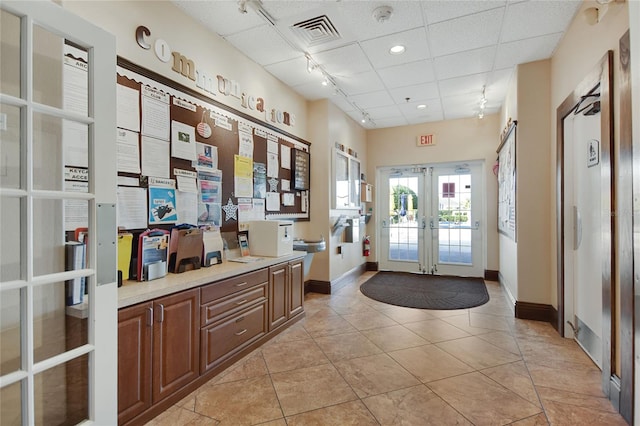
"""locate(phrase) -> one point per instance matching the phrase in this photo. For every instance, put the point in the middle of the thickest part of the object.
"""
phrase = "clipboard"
(153, 248)
(125, 241)
(185, 252)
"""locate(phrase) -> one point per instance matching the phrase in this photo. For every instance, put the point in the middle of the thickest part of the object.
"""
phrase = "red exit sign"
(426, 140)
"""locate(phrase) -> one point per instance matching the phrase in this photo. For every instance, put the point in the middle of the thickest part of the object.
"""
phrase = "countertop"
(134, 292)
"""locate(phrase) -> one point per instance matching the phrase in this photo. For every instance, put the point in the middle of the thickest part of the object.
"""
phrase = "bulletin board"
(507, 182)
(186, 158)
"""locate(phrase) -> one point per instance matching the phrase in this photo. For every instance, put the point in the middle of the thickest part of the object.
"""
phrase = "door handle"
(160, 317)
(577, 228)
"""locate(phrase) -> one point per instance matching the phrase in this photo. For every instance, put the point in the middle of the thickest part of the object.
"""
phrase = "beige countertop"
(134, 292)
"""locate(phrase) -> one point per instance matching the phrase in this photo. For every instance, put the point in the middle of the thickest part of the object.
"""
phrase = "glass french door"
(432, 220)
(57, 117)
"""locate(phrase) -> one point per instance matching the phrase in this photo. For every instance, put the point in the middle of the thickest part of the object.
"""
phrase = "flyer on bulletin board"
(162, 201)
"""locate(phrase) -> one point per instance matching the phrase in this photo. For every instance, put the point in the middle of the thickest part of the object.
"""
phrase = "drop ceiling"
(453, 50)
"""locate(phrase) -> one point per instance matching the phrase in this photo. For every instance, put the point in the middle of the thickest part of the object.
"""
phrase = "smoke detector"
(382, 14)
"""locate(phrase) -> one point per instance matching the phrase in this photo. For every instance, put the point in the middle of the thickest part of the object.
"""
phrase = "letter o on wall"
(162, 49)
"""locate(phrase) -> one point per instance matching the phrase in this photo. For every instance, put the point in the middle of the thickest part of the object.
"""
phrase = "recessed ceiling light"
(397, 50)
(421, 106)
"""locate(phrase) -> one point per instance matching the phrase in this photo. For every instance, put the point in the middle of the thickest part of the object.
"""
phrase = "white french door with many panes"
(58, 358)
(432, 219)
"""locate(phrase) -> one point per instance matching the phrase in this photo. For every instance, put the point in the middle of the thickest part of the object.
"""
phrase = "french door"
(57, 118)
(432, 219)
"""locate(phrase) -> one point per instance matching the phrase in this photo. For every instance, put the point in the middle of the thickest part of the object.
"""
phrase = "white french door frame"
(101, 198)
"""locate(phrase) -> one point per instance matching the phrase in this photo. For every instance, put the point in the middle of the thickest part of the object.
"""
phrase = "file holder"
(153, 248)
(124, 254)
(185, 253)
(213, 246)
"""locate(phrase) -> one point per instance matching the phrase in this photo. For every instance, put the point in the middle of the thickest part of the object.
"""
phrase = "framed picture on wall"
(507, 183)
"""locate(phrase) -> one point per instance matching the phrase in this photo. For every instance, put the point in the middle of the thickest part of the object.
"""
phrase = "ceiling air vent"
(316, 31)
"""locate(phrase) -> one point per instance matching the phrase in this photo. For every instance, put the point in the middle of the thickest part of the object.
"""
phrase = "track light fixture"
(483, 104)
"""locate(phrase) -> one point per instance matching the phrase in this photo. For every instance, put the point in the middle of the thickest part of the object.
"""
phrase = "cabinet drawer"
(219, 341)
(226, 287)
(219, 308)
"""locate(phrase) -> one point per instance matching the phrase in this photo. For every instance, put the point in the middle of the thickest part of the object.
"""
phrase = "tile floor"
(355, 361)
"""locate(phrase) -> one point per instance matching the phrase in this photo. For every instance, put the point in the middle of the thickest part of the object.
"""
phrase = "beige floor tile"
(571, 398)
(488, 321)
(250, 366)
(429, 363)
(369, 320)
(293, 355)
(375, 374)
(436, 330)
(404, 315)
(295, 332)
(477, 353)
(560, 354)
(327, 325)
(249, 401)
(311, 388)
(514, 377)
(349, 413)
(502, 340)
(413, 406)
(566, 414)
(483, 401)
(180, 416)
(537, 420)
(348, 305)
(188, 402)
(394, 338)
(580, 379)
(463, 323)
(279, 422)
(346, 346)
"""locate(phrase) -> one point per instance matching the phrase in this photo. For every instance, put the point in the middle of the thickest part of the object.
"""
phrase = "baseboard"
(326, 287)
(371, 266)
(534, 311)
(490, 275)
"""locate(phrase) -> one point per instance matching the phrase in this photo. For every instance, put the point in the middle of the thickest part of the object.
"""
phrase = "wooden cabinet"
(176, 342)
(286, 292)
(233, 315)
(158, 350)
(134, 360)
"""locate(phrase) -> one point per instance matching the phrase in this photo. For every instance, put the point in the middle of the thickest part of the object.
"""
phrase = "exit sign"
(426, 140)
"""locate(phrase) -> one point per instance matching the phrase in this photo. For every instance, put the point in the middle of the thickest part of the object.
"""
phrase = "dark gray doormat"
(426, 291)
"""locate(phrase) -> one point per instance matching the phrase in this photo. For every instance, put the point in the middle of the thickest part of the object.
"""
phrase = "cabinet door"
(278, 295)
(134, 360)
(296, 287)
(176, 342)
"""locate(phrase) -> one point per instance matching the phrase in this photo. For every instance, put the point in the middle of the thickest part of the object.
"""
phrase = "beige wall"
(210, 52)
(456, 141)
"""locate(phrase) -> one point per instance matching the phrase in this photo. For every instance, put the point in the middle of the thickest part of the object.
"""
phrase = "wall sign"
(426, 140)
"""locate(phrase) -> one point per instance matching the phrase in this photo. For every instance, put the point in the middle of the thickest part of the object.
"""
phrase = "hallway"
(356, 361)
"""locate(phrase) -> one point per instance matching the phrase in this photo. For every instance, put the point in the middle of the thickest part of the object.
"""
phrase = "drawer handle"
(242, 284)
(242, 302)
(241, 332)
(240, 319)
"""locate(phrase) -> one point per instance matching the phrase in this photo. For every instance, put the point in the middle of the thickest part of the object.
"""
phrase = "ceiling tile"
(391, 111)
(263, 45)
(465, 63)
(471, 84)
(418, 93)
(373, 99)
(414, 41)
(359, 83)
(438, 11)
(460, 106)
(429, 117)
(498, 85)
(389, 122)
(410, 110)
(314, 91)
(217, 18)
(342, 103)
(466, 33)
(528, 50)
(534, 18)
(344, 61)
(359, 16)
(408, 74)
(293, 72)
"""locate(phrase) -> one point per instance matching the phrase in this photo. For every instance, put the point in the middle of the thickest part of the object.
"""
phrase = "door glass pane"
(10, 54)
(454, 219)
(57, 328)
(342, 181)
(47, 67)
(10, 348)
(60, 152)
(48, 237)
(12, 241)
(403, 223)
(10, 158)
(10, 405)
(61, 393)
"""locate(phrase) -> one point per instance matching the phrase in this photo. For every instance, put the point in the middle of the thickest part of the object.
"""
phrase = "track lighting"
(483, 104)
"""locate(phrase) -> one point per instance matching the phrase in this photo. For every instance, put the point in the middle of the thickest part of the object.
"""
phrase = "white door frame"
(101, 199)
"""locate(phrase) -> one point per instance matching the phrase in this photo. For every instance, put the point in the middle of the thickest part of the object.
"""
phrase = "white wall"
(456, 141)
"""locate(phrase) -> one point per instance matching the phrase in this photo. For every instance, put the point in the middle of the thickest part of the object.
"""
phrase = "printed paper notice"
(272, 146)
(183, 141)
(272, 164)
(273, 201)
(132, 207)
(155, 113)
(155, 157)
(207, 156)
(243, 176)
(128, 110)
(128, 151)
(187, 207)
(285, 157)
(245, 148)
(162, 205)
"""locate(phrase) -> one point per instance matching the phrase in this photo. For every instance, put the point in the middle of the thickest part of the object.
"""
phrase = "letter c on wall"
(141, 32)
